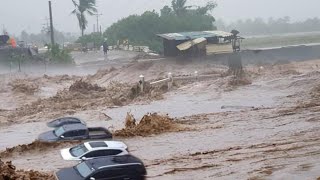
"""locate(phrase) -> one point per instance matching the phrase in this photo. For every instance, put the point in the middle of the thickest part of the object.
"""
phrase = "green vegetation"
(82, 8)
(142, 29)
(58, 56)
(95, 38)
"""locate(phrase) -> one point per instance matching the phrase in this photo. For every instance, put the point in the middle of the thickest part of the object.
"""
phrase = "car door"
(92, 154)
(111, 173)
(68, 135)
(80, 134)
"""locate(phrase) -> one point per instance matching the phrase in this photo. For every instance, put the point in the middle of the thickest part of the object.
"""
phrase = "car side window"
(92, 154)
(68, 134)
(111, 152)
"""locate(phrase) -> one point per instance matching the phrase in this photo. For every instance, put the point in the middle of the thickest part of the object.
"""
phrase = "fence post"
(170, 82)
(196, 75)
(141, 82)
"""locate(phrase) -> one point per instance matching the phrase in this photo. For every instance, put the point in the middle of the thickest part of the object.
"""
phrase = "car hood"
(68, 174)
(48, 136)
(66, 155)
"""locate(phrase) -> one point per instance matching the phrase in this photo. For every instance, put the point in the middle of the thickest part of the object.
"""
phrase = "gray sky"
(29, 15)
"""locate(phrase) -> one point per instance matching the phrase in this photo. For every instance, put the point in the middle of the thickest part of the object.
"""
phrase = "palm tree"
(81, 9)
(179, 6)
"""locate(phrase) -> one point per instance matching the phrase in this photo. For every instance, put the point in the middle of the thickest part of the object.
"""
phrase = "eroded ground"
(267, 129)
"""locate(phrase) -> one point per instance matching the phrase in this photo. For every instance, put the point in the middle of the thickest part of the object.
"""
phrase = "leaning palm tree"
(82, 8)
(179, 6)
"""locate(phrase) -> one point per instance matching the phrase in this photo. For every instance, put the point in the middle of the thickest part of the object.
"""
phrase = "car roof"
(100, 145)
(111, 161)
(70, 127)
(63, 118)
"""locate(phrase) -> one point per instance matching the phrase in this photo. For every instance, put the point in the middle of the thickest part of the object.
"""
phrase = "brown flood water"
(234, 142)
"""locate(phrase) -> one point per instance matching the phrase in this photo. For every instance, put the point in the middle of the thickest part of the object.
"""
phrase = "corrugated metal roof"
(220, 33)
(187, 45)
(194, 35)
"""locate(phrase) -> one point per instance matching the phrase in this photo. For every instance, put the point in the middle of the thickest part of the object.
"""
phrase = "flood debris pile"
(83, 95)
(24, 86)
(149, 93)
(9, 172)
(85, 87)
(150, 124)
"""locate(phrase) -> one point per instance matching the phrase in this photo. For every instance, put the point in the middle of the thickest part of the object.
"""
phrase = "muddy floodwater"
(269, 129)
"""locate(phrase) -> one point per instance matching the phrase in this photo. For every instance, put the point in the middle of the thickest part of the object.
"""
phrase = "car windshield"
(84, 170)
(78, 151)
(60, 131)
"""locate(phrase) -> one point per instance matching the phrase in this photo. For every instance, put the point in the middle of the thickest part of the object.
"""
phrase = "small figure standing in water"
(105, 47)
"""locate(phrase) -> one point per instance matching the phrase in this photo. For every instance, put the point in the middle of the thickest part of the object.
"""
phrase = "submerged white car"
(94, 149)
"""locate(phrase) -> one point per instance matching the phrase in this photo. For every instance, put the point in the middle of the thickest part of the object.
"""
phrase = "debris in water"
(23, 86)
(9, 172)
(34, 146)
(85, 87)
(149, 124)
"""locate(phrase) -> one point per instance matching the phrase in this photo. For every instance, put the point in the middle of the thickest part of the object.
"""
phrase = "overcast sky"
(30, 15)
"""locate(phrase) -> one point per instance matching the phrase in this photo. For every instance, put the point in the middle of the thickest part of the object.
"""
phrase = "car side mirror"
(92, 178)
(84, 158)
(62, 137)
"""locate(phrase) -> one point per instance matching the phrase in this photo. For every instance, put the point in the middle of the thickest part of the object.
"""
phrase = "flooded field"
(268, 129)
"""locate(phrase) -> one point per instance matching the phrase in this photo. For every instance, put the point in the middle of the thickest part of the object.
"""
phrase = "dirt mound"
(85, 87)
(149, 124)
(24, 86)
(9, 172)
(32, 147)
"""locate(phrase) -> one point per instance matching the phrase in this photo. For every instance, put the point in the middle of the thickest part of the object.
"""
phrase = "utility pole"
(98, 21)
(51, 24)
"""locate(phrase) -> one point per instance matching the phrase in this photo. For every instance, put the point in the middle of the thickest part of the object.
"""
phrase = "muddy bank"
(9, 172)
(150, 124)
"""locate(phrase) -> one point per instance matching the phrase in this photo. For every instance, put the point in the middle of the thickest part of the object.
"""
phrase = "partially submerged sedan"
(64, 121)
(90, 150)
(72, 132)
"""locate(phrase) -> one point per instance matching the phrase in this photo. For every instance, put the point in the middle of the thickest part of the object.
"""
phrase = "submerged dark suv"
(125, 167)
